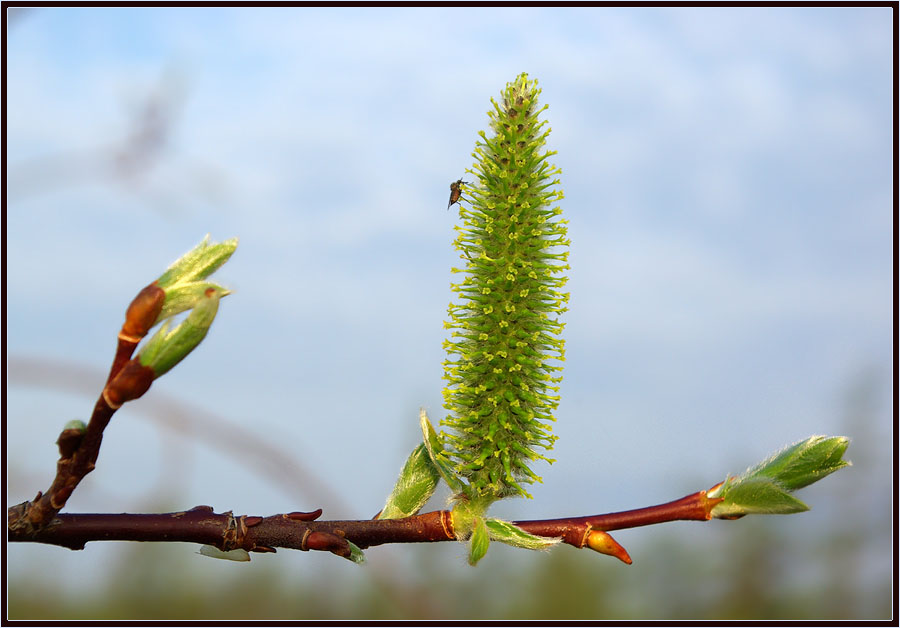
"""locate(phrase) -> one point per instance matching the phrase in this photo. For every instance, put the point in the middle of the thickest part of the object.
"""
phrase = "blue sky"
(728, 184)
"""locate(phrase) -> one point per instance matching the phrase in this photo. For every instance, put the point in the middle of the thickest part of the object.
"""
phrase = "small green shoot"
(767, 487)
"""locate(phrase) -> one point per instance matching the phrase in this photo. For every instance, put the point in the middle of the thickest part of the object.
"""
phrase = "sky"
(728, 182)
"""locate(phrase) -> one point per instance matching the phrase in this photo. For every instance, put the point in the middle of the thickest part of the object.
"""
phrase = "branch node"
(447, 524)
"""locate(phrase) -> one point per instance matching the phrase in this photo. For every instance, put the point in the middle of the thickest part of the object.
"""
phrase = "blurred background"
(728, 180)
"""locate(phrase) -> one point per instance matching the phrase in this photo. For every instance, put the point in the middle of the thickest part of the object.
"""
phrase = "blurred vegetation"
(835, 565)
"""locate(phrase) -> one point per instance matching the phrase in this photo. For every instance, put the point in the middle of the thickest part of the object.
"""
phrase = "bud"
(602, 542)
(130, 383)
(143, 312)
(70, 438)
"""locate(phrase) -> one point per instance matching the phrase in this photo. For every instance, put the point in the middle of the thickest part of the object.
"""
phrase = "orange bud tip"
(601, 542)
(252, 521)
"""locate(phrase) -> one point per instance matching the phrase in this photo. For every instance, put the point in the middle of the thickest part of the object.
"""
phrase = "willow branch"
(301, 531)
(127, 380)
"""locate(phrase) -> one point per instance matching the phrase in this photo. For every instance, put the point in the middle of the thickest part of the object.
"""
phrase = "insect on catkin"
(456, 191)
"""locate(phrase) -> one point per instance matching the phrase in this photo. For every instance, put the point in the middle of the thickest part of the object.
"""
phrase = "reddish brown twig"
(301, 531)
(127, 380)
(139, 318)
(245, 446)
(694, 507)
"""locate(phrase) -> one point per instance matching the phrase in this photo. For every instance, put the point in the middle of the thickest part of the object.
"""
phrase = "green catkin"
(504, 351)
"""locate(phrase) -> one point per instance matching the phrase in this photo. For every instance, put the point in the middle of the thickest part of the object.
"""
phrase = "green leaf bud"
(178, 289)
(70, 438)
(76, 425)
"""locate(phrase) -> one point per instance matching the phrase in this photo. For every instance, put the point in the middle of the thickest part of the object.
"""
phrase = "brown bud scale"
(143, 311)
(132, 381)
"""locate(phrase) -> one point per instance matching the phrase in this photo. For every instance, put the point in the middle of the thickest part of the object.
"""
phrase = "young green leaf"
(167, 348)
(805, 462)
(183, 282)
(756, 496)
(766, 487)
(511, 534)
(185, 296)
(415, 486)
(240, 555)
(356, 555)
(479, 542)
(435, 451)
(198, 263)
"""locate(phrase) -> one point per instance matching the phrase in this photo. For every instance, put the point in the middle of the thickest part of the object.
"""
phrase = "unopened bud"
(132, 382)
(600, 541)
(70, 438)
(143, 312)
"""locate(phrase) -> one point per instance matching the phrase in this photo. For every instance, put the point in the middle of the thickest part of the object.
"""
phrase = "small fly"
(455, 191)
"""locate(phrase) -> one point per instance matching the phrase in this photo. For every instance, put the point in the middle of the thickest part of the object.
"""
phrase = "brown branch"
(127, 380)
(39, 521)
(245, 446)
(300, 530)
